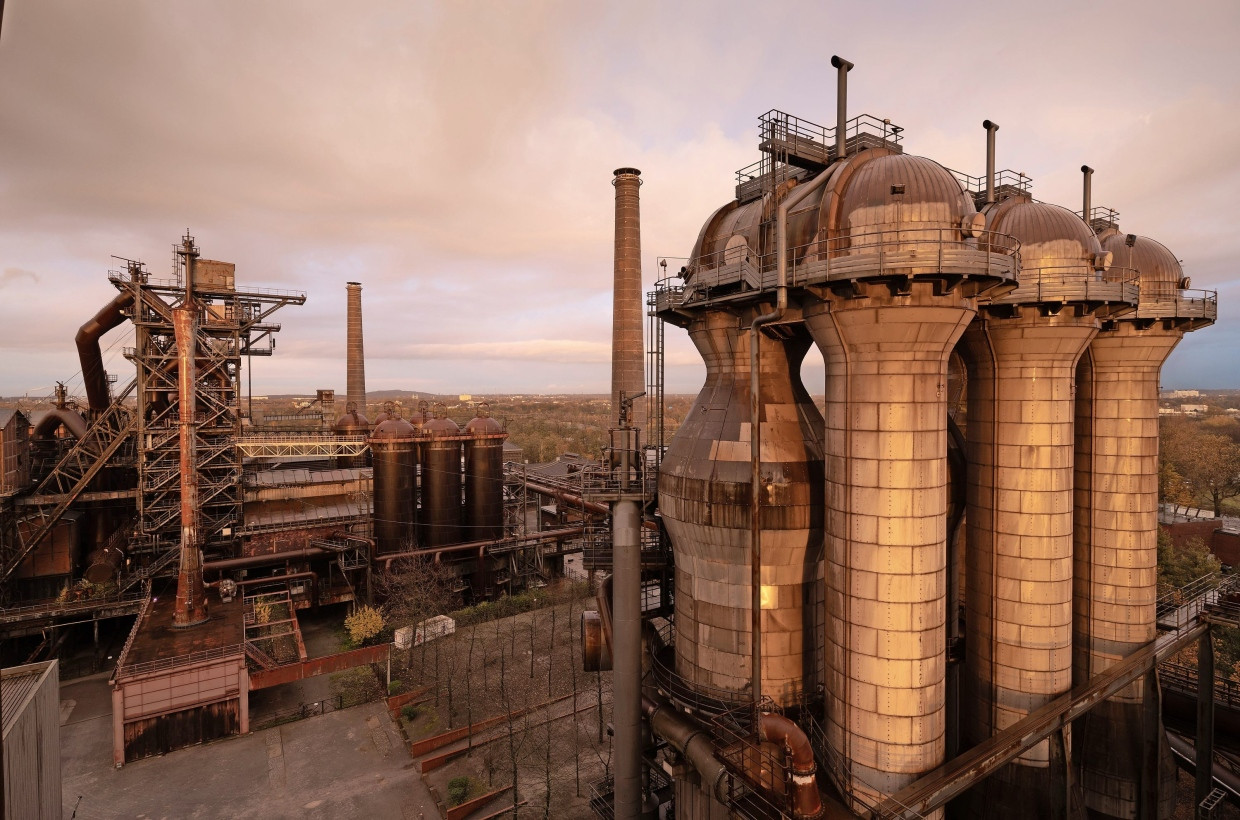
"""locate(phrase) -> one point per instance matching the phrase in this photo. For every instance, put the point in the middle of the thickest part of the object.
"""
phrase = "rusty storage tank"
(1116, 510)
(897, 236)
(352, 423)
(484, 479)
(704, 498)
(441, 482)
(394, 449)
(1021, 352)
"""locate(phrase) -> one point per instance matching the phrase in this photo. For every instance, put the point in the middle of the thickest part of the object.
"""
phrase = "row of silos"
(1062, 362)
(434, 483)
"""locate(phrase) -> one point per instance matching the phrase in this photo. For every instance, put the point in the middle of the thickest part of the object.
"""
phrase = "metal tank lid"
(351, 421)
(1158, 269)
(483, 425)
(441, 425)
(901, 188)
(1050, 236)
(394, 428)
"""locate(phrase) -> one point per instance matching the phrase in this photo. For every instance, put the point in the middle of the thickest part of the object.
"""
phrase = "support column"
(1205, 720)
(1115, 553)
(1022, 371)
(886, 507)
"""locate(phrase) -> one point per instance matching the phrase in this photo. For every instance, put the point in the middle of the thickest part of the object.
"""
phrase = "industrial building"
(940, 594)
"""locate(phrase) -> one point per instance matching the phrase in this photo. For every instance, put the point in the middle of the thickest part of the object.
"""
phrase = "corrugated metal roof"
(17, 686)
(8, 413)
(298, 476)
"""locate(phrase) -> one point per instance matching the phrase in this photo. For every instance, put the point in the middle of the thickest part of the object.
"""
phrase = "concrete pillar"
(243, 696)
(1116, 548)
(118, 726)
(886, 507)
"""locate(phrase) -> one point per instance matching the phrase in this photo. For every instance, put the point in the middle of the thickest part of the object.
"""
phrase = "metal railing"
(1183, 678)
(1012, 181)
(146, 667)
(1073, 280)
(899, 250)
(1176, 608)
(700, 698)
(1184, 304)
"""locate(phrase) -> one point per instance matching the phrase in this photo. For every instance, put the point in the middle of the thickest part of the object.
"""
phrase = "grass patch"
(464, 788)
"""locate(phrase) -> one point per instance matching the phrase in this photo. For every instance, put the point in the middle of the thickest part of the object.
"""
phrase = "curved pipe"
(777, 729)
(57, 416)
(87, 340)
(267, 560)
(578, 501)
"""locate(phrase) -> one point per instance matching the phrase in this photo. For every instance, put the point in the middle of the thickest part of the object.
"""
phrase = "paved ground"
(343, 764)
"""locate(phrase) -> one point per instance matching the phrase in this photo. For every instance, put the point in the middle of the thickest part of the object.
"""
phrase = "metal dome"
(897, 189)
(1050, 237)
(351, 423)
(393, 428)
(1159, 271)
(441, 426)
(483, 426)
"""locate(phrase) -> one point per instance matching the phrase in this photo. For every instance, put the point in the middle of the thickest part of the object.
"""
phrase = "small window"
(897, 189)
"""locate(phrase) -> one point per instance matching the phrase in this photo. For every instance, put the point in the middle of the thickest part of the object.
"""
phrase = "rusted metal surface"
(484, 478)
(318, 666)
(394, 451)
(627, 352)
(440, 517)
(355, 356)
(94, 377)
(191, 600)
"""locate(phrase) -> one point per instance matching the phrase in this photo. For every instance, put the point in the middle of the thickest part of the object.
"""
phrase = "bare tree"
(412, 590)
(469, 687)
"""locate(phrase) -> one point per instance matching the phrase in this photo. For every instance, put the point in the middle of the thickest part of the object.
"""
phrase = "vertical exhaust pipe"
(841, 105)
(991, 128)
(355, 357)
(191, 602)
(1088, 193)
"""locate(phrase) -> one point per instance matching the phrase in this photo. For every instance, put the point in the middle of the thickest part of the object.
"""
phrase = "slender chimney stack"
(627, 357)
(991, 128)
(1087, 198)
(355, 392)
(191, 602)
(841, 105)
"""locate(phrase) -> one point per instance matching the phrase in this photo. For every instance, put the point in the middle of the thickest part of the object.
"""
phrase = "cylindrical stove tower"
(1021, 354)
(355, 357)
(441, 482)
(704, 497)
(627, 355)
(351, 425)
(484, 478)
(394, 459)
(895, 231)
(1116, 511)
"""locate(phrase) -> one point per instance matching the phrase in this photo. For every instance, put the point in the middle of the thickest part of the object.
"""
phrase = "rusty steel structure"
(816, 558)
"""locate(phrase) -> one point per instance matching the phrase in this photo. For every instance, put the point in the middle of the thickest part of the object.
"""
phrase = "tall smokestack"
(191, 602)
(355, 392)
(991, 128)
(841, 105)
(627, 371)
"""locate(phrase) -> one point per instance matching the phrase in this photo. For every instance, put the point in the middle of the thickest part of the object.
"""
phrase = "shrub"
(463, 788)
(409, 712)
(364, 624)
(395, 686)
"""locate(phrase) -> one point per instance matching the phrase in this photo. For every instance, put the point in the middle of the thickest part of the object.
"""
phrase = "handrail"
(130, 670)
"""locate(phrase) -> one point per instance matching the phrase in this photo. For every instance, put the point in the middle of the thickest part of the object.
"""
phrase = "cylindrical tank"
(484, 479)
(104, 565)
(886, 340)
(441, 482)
(351, 424)
(704, 498)
(1021, 354)
(1116, 519)
(393, 448)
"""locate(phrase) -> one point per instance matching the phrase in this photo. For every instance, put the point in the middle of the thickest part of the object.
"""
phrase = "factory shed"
(30, 707)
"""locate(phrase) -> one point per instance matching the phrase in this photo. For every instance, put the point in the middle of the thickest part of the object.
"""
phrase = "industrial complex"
(933, 593)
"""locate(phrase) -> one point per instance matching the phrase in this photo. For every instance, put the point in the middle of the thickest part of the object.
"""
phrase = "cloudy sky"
(456, 157)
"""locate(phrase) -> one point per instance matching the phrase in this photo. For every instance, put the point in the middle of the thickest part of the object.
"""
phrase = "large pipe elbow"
(777, 729)
(94, 378)
(691, 741)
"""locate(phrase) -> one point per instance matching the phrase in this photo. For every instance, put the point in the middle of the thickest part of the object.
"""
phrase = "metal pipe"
(991, 128)
(806, 801)
(270, 560)
(627, 655)
(578, 501)
(94, 378)
(692, 741)
(275, 579)
(1087, 203)
(841, 105)
(545, 535)
(355, 361)
(1204, 747)
(191, 600)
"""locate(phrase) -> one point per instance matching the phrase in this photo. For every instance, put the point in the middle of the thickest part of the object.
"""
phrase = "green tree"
(1178, 567)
